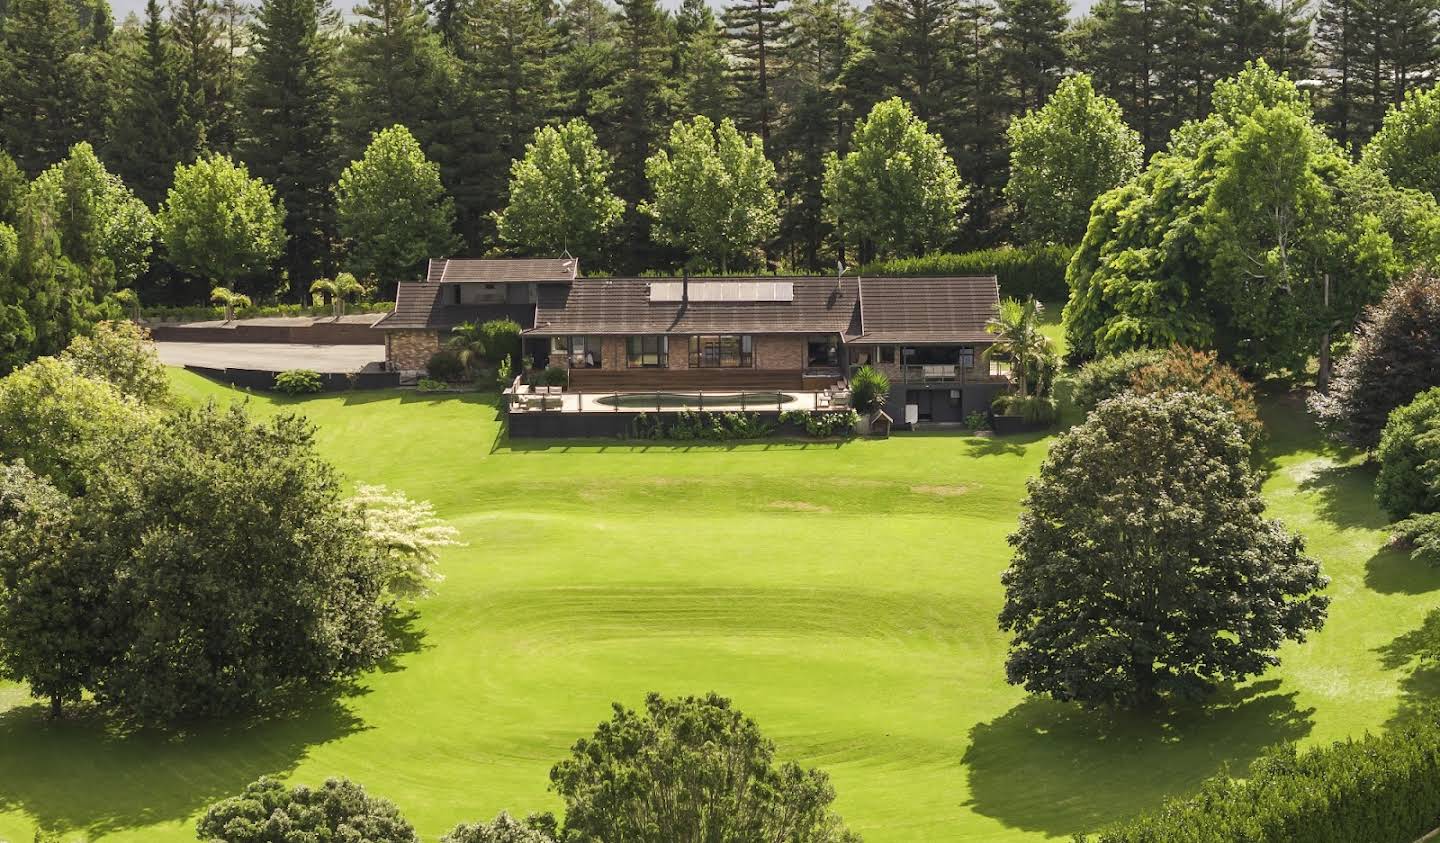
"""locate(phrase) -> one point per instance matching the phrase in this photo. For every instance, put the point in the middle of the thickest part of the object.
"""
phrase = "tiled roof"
(923, 309)
(623, 306)
(503, 270)
(418, 306)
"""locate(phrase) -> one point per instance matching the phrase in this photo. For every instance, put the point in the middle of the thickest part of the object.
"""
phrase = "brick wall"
(779, 351)
(409, 351)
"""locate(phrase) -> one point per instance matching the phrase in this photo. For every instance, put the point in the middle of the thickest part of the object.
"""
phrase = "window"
(455, 294)
(646, 352)
(821, 350)
(581, 352)
(967, 357)
(887, 354)
(722, 351)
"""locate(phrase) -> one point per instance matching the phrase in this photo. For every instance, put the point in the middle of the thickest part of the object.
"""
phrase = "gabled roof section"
(625, 306)
(921, 309)
(418, 306)
(503, 270)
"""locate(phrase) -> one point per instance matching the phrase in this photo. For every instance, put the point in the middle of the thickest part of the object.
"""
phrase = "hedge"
(1037, 270)
(1376, 789)
(208, 314)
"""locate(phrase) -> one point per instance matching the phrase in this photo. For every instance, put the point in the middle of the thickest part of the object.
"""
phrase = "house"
(765, 334)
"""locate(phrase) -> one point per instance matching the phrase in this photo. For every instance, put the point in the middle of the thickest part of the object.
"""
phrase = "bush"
(1034, 270)
(977, 421)
(869, 389)
(340, 810)
(431, 385)
(822, 424)
(554, 376)
(1376, 789)
(1107, 377)
(716, 427)
(298, 382)
(123, 354)
(1394, 356)
(502, 340)
(1408, 454)
(504, 373)
(200, 313)
(1035, 409)
(445, 365)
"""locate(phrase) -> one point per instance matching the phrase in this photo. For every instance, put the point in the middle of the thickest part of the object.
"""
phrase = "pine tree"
(202, 39)
(153, 128)
(51, 83)
(1189, 68)
(1120, 47)
(1338, 40)
(587, 61)
(701, 64)
(977, 127)
(912, 41)
(754, 29)
(1031, 54)
(291, 141)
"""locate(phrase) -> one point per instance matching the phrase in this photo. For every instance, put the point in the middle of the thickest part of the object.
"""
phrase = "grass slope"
(845, 596)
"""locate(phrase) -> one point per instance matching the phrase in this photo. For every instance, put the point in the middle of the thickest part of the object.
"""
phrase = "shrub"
(1035, 409)
(445, 365)
(340, 810)
(504, 373)
(1033, 270)
(869, 389)
(1376, 789)
(501, 339)
(822, 423)
(1107, 377)
(123, 354)
(432, 385)
(1408, 454)
(718, 427)
(1395, 355)
(298, 382)
(977, 421)
(555, 376)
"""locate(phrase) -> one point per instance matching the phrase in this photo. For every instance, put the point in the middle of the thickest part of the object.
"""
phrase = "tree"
(220, 223)
(123, 355)
(690, 768)
(754, 28)
(869, 389)
(467, 343)
(1120, 44)
(560, 196)
(714, 192)
(704, 68)
(208, 46)
(1408, 453)
(1143, 565)
(913, 45)
(51, 96)
(505, 829)
(1407, 147)
(230, 300)
(1201, 372)
(341, 288)
(392, 209)
(154, 129)
(290, 104)
(1030, 52)
(1018, 338)
(408, 534)
(1106, 377)
(13, 185)
(269, 812)
(1063, 156)
(1394, 356)
(896, 192)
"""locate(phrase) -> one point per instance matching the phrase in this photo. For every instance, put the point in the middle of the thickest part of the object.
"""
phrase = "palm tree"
(344, 285)
(230, 300)
(467, 340)
(1016, 327)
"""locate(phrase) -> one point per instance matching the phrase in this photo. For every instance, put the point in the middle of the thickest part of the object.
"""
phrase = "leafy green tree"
(408, 535)
(1409, 457)
(1106, 377)
(269, 812)
(714, 192)
(154, 129)
(13, 185)
(123, 355)
(1018, 338)
(690, 768)
(230, 300)
(392, 209)
(220, 223)
(504, 829)
(1143, 565)
(51, 82)
(896, 192)
(291, 95)
(338, 291)
(560, 196)
(1407, 147)
(1065, 155)
(1393, 357)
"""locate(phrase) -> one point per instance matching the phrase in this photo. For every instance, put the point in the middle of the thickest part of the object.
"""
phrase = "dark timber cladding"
(508, 271)
(419, 306)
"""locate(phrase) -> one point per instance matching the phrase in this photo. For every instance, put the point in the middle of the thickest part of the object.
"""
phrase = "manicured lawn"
(845, 596)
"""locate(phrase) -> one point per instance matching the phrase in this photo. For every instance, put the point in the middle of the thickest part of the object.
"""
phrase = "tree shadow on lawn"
(1344, 495)
(1061, 769)
(83, 774)
(1418, 650)
(1392, 571)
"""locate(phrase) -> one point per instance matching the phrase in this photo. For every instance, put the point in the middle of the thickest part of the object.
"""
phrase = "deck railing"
(993, 372)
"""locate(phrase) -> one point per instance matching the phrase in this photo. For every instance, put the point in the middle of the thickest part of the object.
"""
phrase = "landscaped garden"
(843, 595)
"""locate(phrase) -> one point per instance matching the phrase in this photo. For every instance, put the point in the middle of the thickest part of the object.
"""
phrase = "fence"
(329, 381)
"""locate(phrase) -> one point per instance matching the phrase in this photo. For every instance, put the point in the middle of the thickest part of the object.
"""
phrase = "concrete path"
(275, 357)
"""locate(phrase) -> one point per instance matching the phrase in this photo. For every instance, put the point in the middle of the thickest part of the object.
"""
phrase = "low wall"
(318, 333)
(618, 425)
(329, 381)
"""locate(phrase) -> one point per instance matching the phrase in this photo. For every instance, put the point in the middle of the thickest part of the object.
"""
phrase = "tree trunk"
(1146, 697)
(55, 707)
(1322, 380)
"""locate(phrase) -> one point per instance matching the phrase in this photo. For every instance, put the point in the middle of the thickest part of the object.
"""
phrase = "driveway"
(270, 356)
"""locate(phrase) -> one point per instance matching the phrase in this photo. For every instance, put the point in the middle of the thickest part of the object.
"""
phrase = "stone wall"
(409, 351)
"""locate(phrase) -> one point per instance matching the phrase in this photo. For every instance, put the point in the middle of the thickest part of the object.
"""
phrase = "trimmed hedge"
(211, 314)
(1377, 790)
(1022, 271)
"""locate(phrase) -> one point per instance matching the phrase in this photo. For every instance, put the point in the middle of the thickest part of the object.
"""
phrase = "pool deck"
(720, 402)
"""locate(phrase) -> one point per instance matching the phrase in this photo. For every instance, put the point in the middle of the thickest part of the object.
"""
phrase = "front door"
(924, 401)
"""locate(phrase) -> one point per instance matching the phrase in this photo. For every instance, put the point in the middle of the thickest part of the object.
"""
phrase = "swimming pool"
(695, 401)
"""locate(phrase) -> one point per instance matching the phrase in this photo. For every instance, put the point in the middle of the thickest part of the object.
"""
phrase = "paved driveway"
(270, 356)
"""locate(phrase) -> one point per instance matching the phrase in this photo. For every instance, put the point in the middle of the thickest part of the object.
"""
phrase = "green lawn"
(843, 595)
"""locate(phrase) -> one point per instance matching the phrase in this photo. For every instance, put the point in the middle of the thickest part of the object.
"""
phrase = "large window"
(822, 350)
(722, 351)
(581, 352)
(646, 352)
